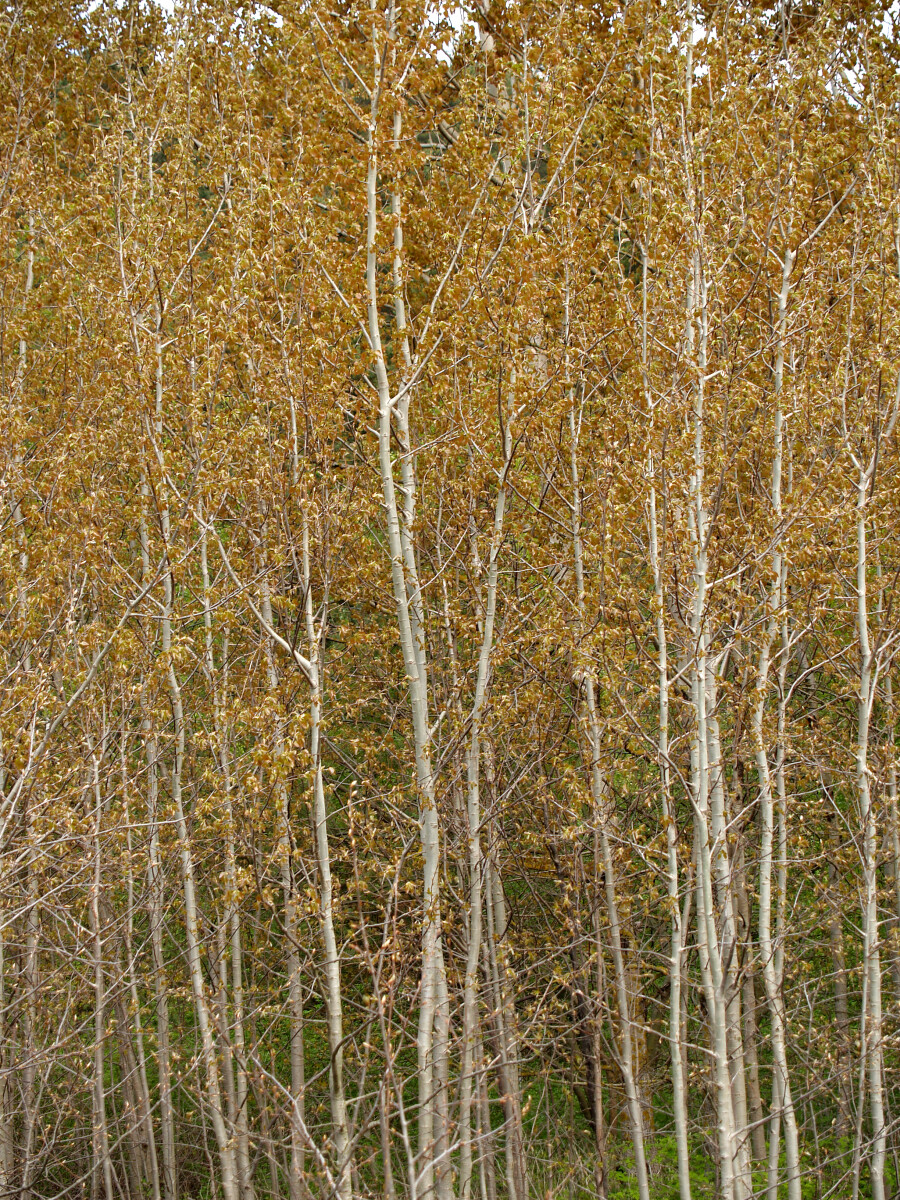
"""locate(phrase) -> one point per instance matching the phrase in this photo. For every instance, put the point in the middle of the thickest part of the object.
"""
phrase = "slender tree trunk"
(101, 1163)
(841, 1006)
(7, 1127)
(297, 1172)
(143, 1114)
(407, 597)
(192, 917)
(676, 1045)
(389, 1188)
(871, 1032)
(603, 818)
(749, 1009)
(893, 829)
(730, 952)
(169, 1180)
(474, 818)
(234, 1065)
(30, 982)
(782, 1104)
(30, 979)
(507, 1036)
(715, 984)
(601, 1172)
(333, 997)
(443, 1170)
(155, 894)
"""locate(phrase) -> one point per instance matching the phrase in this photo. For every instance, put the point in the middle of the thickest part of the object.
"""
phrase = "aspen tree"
(334, 1001)
(235, 1073)
(514, 943)
(871, 1017)
(782, 1103)
(144, 1114)
(407, 597)
(603, 816)
(188, 873)
(468, 1080)
(101, 1164)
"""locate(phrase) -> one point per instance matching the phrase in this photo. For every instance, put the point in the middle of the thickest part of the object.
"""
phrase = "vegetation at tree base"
(451, 521)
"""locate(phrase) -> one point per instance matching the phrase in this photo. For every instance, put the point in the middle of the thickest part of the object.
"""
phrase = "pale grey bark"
(297, 1169)
(192, 920)
(333, 995)
(715, 983)
(771, 954)
(146, 1160)
(155, 907)
(730, 951)
(101, 1163)
(407, 598)
(604, 820)
(676, 944)
(714, 980)
(30, 984)
(871, 1028)
(497, 928)
(30, 977)
(234, 1066)
(7, 1128)
(474, 821)
(893, 815)
(749, 1006)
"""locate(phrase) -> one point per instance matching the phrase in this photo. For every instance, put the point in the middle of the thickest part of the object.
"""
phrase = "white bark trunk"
(715, 983)
(407, 597)
(101, 1165)
(473, 811)
(234, 1066)
(782, 1103)
(871, 1032)
(333, 998)
(192, 924)
(676, 943)
(144, 1115)
(604, 818)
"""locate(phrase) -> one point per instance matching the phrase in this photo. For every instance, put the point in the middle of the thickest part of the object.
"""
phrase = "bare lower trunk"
(603, 820)
(507, 1035)
(749, 1006)
(333, 1000)
(474, 819)
(168, 1177)
(234, 1061)
(714, 977)
(407, 598)
(7, 1128)
(101, 1164)
(192, 931)
(871, 1032)
(730, 950)
(676, 1044)
(30, 982)
(333, 997)
(297, 1170)
(161, 999)
(708, 950)
(144, 1129)
(192, 920)
(782, 1103)
(893, 816)
(841, 1006)
(443, 1171)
